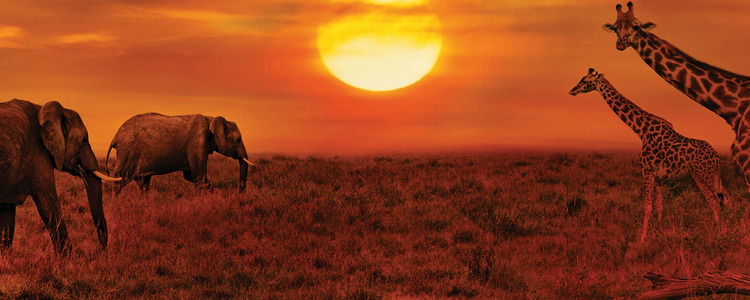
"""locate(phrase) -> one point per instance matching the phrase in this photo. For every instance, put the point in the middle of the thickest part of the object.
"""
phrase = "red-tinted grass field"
(457, 225)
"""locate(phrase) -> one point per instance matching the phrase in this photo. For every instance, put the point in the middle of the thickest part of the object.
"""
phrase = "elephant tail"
(106, 161)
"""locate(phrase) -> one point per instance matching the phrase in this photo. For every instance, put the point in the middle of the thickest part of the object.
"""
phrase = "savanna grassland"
(455, 225)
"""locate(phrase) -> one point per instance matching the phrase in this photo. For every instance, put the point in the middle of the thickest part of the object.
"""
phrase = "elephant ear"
(219, 129)
(51, 122)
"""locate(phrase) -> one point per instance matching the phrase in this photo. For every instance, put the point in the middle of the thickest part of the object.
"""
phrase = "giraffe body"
(665, 153)
(725, 93)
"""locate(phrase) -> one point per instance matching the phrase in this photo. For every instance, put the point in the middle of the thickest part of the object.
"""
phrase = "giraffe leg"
(742, 160)
(658, 205)
(705, 187)
(649, 182)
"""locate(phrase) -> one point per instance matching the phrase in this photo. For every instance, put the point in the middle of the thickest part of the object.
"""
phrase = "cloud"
(9, 31)
(7, 34)
(216, 22)
(200, 15)
(85, 38)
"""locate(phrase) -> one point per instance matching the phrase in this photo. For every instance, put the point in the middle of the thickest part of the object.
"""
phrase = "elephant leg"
(205, 184)
(126, 178)
(7, 224)
(187, 175)
(48, 206)
(198, 167)
(144, 182)
(147, 182)
(199, 184)
(120, 185)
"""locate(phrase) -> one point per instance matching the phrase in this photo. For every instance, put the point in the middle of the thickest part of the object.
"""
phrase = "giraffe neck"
(716, 89)
(636, 118)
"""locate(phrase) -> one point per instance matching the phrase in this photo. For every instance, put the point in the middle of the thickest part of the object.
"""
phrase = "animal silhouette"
(725, 93)
(155, 144)
(35, 140)
(665, 153)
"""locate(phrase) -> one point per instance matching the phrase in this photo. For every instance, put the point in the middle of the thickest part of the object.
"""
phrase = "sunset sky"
(501, 80)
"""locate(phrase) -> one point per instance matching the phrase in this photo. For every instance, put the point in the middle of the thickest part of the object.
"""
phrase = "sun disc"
(381, 46)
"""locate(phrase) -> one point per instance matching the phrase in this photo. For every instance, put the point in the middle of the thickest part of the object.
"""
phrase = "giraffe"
(665, 153)
(725, 93)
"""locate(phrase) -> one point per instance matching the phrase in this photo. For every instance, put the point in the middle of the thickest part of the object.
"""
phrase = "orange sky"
(501, 81)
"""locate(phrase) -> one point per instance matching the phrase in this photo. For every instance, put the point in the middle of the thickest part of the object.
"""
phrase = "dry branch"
(706, 284)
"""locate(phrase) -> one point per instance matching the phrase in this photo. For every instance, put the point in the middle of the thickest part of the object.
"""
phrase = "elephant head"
(66, 138)
(228, 141)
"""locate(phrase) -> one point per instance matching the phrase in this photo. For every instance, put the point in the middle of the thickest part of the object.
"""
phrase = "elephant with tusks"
(154, 144)
(35, 140)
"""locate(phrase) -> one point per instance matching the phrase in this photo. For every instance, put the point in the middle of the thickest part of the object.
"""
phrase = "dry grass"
(494, 225)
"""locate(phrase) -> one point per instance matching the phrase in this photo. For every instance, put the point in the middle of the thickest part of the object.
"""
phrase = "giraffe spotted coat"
(725, 93)
(665, 152)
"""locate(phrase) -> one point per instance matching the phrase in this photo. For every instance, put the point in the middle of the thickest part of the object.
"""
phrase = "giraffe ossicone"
(665, 152)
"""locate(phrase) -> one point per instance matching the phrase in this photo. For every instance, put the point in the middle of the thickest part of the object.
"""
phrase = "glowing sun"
(380, 45)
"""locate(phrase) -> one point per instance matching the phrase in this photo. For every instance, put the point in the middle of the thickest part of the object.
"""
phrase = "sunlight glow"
(383, 49)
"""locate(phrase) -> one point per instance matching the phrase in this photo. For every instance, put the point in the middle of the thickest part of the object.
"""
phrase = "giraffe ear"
(608, 27)
(648, 26)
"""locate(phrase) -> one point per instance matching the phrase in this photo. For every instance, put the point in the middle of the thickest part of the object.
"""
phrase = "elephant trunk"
(87, 160)
(242, 158)
(94, 194)
(243, 174)
(90, 167)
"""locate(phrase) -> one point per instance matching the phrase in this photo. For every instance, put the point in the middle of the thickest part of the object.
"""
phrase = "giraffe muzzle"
(622, 45)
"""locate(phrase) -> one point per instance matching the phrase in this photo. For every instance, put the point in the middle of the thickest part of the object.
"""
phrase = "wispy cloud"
(218, 22)
(9, 31)
(260, 19)
(7, 36)
(91, 37)
(200, 15)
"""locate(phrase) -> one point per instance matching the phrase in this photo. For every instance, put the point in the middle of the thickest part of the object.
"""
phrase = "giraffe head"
(587, 83)
(629, 30)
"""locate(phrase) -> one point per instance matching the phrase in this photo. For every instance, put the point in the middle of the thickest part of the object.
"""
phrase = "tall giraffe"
(665, 152)
(725, 93)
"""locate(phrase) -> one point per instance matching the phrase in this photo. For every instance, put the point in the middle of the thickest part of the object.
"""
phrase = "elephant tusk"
(248, 162)
(105, 177)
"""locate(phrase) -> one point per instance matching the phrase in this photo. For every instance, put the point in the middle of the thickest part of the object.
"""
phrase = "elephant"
(35, 140)
(154, 144)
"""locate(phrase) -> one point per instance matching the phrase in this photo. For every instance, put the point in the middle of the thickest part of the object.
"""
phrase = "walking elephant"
(35, 140)
(154, 144)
